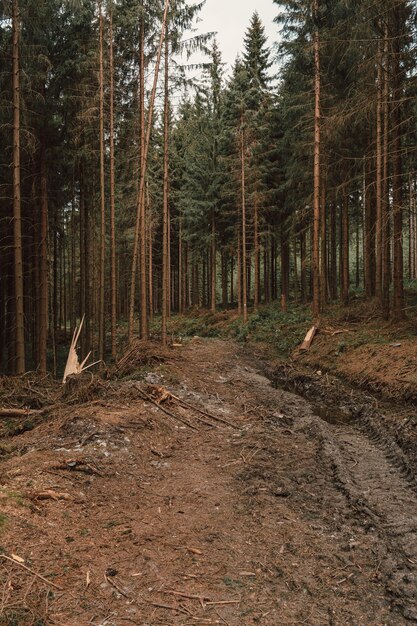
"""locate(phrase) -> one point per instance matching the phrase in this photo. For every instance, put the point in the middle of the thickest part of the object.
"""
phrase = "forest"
(208, 313)
(132, 189)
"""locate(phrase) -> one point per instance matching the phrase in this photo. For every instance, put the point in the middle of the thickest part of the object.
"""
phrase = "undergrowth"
(282, 331)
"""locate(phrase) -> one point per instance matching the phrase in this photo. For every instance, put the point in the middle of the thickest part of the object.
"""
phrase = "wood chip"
(17, 558)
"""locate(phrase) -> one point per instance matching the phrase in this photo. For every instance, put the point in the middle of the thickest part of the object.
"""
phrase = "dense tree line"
(292, 179)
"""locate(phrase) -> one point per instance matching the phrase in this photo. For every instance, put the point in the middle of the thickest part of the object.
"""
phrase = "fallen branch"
(198, 410)
(118, 589)
(170, 608)
(186, 595)
(49, 494)
(77, 466)
(147, 397)
(45, 580)
(4, 412)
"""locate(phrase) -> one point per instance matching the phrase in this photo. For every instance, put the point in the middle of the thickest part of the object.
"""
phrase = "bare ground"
(283, 519)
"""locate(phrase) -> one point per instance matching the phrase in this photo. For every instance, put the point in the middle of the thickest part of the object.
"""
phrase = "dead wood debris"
(309, 338)
(28, 569)
(160, 395)
(138, 354)
(76, 465)
(73, 366)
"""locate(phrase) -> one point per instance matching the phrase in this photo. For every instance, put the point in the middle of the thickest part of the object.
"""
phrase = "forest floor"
(283, 510)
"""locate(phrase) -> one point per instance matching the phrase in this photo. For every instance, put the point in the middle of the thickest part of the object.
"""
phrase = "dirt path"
(284, 519)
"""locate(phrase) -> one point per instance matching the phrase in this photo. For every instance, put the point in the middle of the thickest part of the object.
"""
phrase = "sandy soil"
(282, 518)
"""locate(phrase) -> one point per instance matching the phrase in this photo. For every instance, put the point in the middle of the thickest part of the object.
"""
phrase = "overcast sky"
(231, 18)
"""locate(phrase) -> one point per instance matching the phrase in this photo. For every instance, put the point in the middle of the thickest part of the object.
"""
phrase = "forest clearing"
(208, 313)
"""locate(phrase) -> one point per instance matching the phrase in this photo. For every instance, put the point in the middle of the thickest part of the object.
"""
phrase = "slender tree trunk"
(379, 220)
(180, 266)
(243, 191)
(101, 329)
(303, 255)
(213, 269)
(386, 257)
(345, 250)
(316, 218)
(17, 218)
(43, 265)
(165, 219)
(113, 275)
(333, 251)
(323, 247)
(224, 278)
(357, 275)
(239, 275)
(141, 196)
(256, 254)
(285, 265)
(397, 181)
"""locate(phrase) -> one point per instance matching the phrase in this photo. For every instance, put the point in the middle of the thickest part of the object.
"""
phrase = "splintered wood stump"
(309, 338)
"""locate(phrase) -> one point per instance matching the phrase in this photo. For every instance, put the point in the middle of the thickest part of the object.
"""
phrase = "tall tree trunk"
(303, 255)
(213, 268)
(101, 329)
(113, 275)
(323, 247)
(285, 265)
(165, 219)
(333, 250)
(316, 216)
(256, 253)
(379, 217)
(243, 192)
(43, 264)
(140, 212)
(397, 180)
(345, 249)
(17, 217)
(371, 226)
(386, 256)
(239, 275)
(180, 267)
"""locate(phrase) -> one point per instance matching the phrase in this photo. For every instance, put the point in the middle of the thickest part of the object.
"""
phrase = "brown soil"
(372, 354)
(282, 519)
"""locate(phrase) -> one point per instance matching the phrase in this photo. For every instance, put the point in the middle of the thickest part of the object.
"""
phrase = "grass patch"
(12, 497)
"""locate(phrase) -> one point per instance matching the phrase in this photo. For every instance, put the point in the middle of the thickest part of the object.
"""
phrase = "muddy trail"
(234, 502)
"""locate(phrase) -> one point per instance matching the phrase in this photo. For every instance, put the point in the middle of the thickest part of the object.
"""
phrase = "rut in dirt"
(376, 473)
(267, 515)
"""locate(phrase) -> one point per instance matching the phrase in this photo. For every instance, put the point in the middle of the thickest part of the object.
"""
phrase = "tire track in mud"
(377, 491)
(372, 458)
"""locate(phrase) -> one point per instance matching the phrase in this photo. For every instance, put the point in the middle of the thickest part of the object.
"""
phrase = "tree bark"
(43, 264)
(316, 203)
(113, 275)
(256, 253)
(378, 237)
(165, 219)
(17, 216)
(243, 192)
(397, 180)
(101, 329)
(345, 250)
(213, 268)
